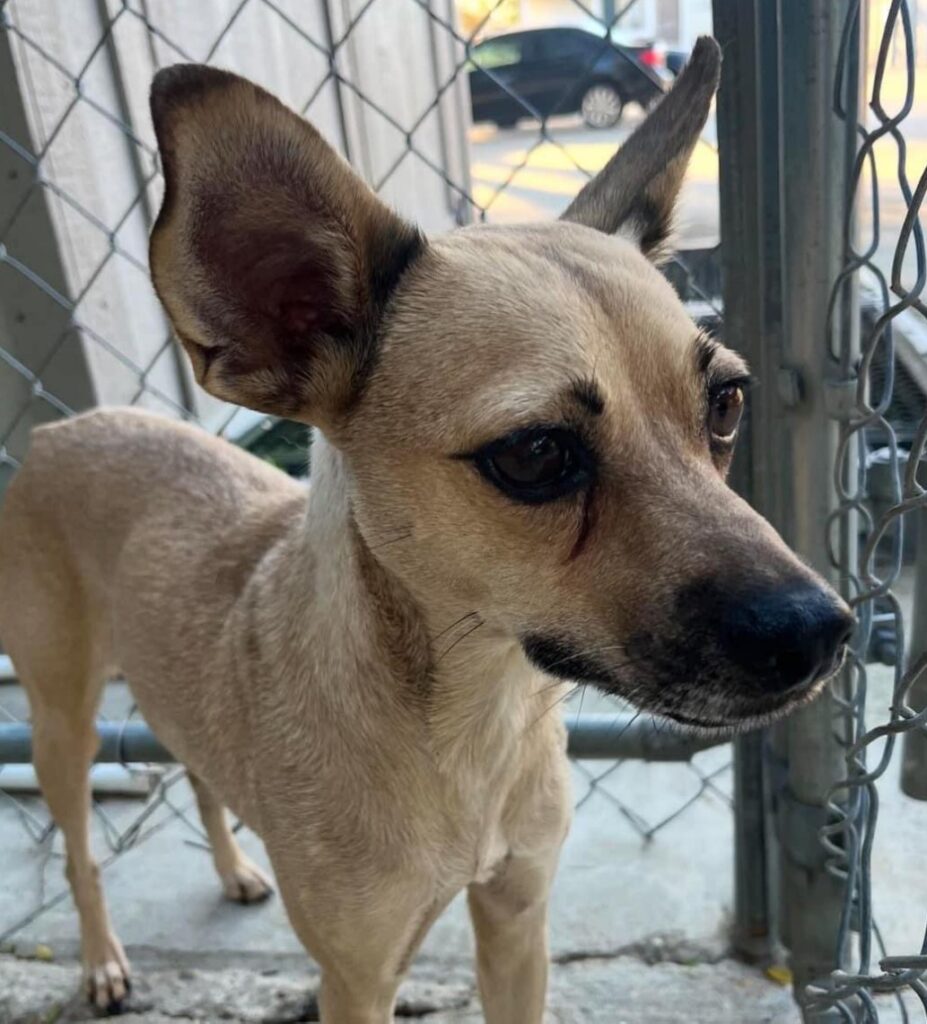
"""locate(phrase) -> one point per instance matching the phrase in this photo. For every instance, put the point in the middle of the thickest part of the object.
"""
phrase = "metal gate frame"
(783, 196)
(795, 146)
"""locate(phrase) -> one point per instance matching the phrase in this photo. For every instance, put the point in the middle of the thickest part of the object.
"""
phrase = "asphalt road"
(517, 175)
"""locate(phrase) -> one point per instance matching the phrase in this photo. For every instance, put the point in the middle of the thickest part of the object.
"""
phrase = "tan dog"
(520, 472)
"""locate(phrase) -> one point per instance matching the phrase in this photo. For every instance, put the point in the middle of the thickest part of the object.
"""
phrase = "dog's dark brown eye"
(727, 407)
(536, 465)
(533, 461)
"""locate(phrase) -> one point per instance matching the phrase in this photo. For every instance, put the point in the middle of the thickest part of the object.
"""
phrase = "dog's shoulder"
(138, 443)
(106, 428)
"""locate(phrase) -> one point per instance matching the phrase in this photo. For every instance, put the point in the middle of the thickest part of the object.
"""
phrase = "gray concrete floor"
(638, 927)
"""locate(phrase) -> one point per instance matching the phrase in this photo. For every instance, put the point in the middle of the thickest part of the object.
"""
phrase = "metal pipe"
(783, 197)
(748, 197)
(125, 742)
(591, 736)
(627, 735)
(753, 932)
(813, 160)
(914, 758)
(105, 780)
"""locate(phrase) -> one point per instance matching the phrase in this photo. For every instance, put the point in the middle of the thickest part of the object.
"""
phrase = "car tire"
(507, 122)
(601, 106)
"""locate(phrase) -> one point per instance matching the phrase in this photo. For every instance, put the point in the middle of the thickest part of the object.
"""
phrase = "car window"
(498, 53)
(560, 45)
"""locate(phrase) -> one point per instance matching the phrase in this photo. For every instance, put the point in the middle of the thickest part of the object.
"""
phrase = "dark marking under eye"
(585, 526)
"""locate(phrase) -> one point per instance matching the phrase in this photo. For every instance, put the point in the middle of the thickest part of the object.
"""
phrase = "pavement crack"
(305, 1013)
(405, 1010)
(655, 949)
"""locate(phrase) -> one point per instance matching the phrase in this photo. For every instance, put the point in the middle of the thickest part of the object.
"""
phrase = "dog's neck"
(473, 686)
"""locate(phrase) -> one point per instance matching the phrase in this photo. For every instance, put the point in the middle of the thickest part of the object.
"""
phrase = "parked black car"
(676, 61)
(546, 71)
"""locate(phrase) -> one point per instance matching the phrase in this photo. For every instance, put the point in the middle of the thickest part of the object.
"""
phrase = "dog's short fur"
(356, 673)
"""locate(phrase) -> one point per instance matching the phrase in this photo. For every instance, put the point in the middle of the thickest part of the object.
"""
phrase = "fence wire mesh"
(81, 326)
(881, 447)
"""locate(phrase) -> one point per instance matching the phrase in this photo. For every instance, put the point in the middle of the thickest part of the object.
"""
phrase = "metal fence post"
(815, 175)
(783, 199)
(914, 763)
(747, 119)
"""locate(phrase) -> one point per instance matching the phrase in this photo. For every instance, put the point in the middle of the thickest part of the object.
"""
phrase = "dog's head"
(532, 427)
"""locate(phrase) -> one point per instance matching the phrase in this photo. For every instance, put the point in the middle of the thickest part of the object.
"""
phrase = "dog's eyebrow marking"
(718, 365)
(587, 394)
(706, 348)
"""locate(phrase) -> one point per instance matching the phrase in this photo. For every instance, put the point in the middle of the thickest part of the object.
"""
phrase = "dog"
(518, 483)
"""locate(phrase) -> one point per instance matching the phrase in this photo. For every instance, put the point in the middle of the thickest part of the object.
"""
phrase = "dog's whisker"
(454, 625)
(627, 663)
(584, 652)
(628, 724)
(547, 710)
(582, 697)
(548, 686)
(459, 639)
(393, 540)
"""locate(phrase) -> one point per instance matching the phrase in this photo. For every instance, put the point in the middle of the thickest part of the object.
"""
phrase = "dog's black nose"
(786, 637)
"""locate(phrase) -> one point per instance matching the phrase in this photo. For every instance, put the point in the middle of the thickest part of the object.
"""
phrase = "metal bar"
(591, 736)
(754, 930)
(813, 149)
(783, 172)
(914, 762)
(120, 743)
(749, 186)
(105, 779)
(627, 735)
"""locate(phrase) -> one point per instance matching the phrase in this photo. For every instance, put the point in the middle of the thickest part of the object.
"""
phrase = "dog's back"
(99, 492)
(104, 534)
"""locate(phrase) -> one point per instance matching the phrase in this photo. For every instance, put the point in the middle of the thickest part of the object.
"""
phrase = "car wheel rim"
(601, 106)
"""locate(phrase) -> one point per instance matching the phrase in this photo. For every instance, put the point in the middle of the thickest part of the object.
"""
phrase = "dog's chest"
(499, 785)
(492, 853)
(472, 851)
(476, 831)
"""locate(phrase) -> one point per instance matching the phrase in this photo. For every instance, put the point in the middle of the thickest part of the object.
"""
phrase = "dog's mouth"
(707, 703)
(564, 660)
(738, 721)
(700, 723)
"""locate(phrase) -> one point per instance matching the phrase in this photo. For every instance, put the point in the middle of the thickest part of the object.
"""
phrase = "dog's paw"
(247, 883)
(106, 977)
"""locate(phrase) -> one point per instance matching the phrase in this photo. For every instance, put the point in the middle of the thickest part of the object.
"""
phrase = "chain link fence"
(389, 82)
(394, 85)
(880, 449)
(825, 269)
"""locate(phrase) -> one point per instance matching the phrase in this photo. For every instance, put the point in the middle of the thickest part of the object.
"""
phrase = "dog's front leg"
(362, 931)
(510, 920)
(358, 1000)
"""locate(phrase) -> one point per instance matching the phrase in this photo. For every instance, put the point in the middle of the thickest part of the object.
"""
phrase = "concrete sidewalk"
(610, 991)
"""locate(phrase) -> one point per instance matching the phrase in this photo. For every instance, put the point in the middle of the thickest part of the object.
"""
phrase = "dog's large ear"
(273, 259)
(635, 192)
